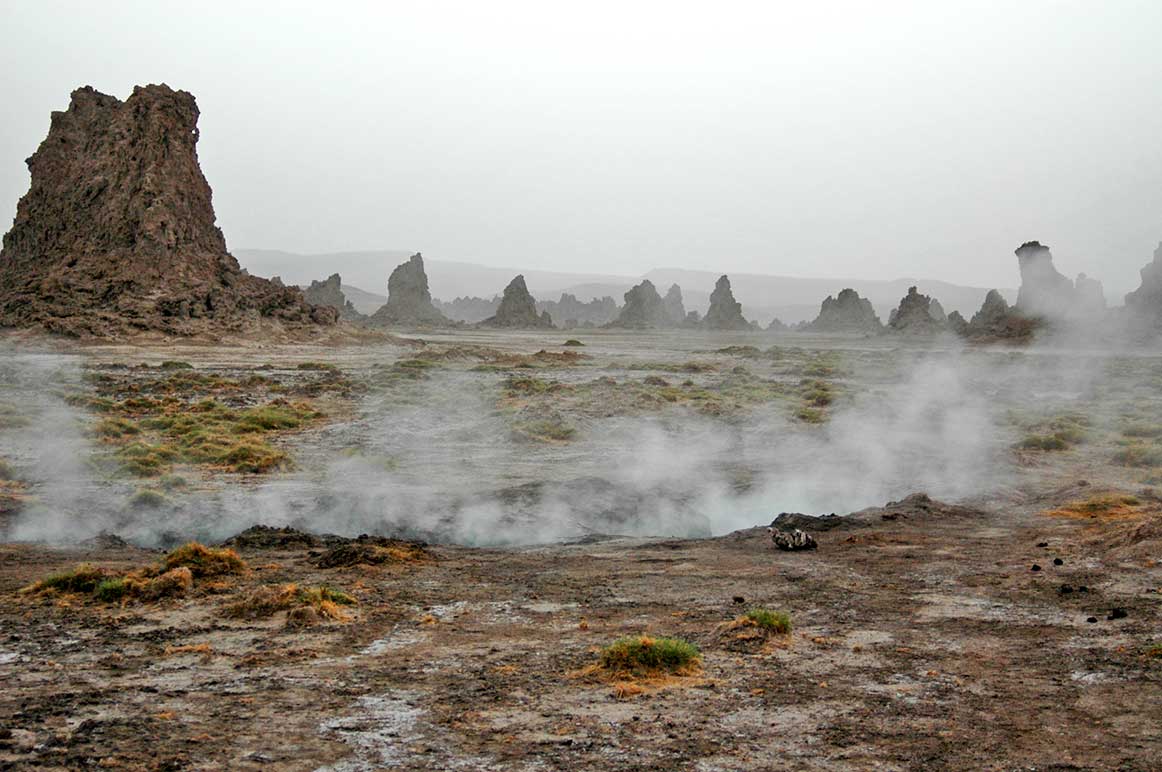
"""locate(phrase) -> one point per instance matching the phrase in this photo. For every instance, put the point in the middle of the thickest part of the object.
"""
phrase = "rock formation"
(675, 308)
(996, 320)
(725, 313)
(847, 312)
(409, 302)
(518, 309)
(1090, 296)
(643, 309)
(329, 292)
(573, 312)
(957, 323)
(116, 233)
(1144, 305)
(1044, 292)
(918, 314)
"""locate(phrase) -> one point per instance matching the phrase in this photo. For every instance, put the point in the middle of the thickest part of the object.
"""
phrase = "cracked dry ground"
(922, 641)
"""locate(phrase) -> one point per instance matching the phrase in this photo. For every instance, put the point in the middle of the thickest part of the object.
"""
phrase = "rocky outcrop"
(1144, 305)
(1090, 296)
(918, 315)
(725, 313)
(574, 313)
(518, 309)
(409, 302)
(1044, 291)
(117, 231)
(643, 309)
(675, 308)
(847, 312)
(997, 321)
(329, 292)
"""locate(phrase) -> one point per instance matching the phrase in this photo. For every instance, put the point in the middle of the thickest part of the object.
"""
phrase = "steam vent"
(116, 233)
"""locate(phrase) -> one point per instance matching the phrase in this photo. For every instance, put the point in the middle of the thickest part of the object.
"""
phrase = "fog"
(836, 140)
(436, 460)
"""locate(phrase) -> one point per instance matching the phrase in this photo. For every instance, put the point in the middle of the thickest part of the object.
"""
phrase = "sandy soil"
(921, 641)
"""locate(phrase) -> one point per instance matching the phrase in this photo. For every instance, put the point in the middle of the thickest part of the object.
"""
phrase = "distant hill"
(763, 296)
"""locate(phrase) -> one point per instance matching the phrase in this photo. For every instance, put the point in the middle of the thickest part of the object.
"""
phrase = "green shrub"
(644, 654)
(774, 621)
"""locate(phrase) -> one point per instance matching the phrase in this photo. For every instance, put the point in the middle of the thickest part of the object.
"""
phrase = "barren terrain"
(570, 496)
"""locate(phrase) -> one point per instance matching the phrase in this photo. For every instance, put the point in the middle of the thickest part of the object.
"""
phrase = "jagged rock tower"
(643, 309)
(329, 292)
(725, 313)
(408, 299)
(847, 312)
(518, 309)
(116, 233)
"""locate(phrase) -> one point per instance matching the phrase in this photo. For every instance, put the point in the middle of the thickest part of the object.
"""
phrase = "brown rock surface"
(643, 309)
(116, 233)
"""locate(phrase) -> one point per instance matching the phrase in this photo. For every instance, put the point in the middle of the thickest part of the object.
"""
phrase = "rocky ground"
(1018, 630)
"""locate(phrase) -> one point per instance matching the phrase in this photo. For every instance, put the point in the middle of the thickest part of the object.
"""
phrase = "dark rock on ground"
(409, 301)
(725, 313)
(793, 541)
(519, 309)
(847, 312)
(117, 234)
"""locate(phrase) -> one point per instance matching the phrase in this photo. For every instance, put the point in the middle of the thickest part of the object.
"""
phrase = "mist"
(438, 461)
(841, 140)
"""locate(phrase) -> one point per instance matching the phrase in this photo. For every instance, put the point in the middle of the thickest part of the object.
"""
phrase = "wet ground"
(923, 637)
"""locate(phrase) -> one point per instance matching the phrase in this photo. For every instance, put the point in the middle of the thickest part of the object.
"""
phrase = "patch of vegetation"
(674, 367)
(204, 561)
(174, 364)
(323, 602)
(573, 342)
(373, 551)
(645, 655)
(1109, 506)
(778, 622)
(1139, 455)
(83, 578)
(1143, 429)
(527, 384)
(545, 430)
(810, 415)
(11, 417)
(1043, 442)
(1057, 433)
(316, 366)
(147, 498)
(7, 472)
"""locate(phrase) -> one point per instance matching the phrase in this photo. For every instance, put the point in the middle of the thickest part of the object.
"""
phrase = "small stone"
(1118, 613)
(1035, 567)
(1058, 562)
(1042, 544)
(1066, 589)
(739, 599)
(1091, 620)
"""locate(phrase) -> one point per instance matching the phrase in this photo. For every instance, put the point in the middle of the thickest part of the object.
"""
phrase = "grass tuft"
(778, 622)
(204, 561)
(645, 655)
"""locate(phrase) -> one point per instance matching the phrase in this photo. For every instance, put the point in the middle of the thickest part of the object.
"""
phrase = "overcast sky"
(868, 139)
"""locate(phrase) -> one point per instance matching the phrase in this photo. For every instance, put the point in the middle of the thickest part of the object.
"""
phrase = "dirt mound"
(794, 521)
(329, 293)
(725, 313)
(116, 233)
(268, 537)
(519, 309)
(409, 301)
(847, 312)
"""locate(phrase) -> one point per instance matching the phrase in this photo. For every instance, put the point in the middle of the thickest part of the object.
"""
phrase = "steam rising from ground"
(438, 460)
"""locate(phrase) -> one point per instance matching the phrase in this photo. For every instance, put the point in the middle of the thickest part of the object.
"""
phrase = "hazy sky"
(868, 139)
